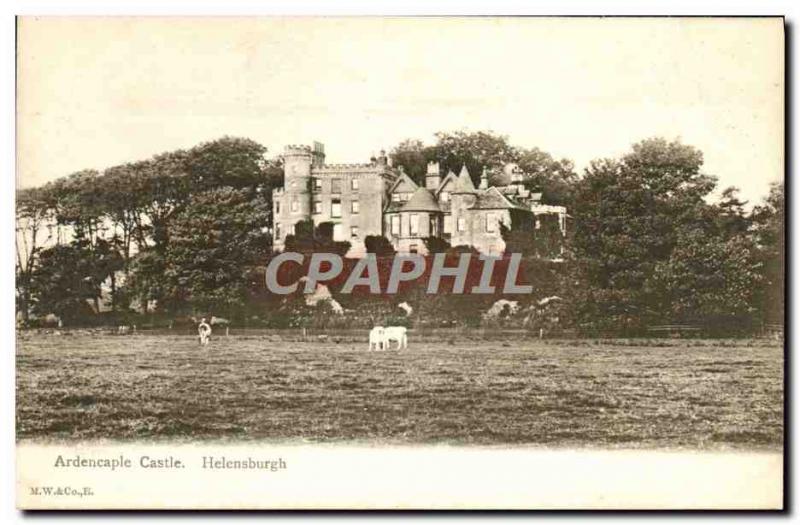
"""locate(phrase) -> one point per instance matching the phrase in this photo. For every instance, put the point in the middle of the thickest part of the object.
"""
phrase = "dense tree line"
(189, 231)
(649, 248)
(183, 230)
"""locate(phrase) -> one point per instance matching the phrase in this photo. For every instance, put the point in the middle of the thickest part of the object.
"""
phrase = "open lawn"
(668, 393)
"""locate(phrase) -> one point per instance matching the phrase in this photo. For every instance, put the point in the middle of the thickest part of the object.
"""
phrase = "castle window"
(444, 196)
(336, 208)
(433, 227)
(317, 184)
(353, 231)
(353, 184)
(336, 185)
(277, 208)
(278, 231)
(354, 207)
(395, 225)
(317, 207)
(413, 224)
(337, 232)
(413, 248)
(295, 206)
(395, 197)
(448, 224)
(491, 223)
(462, 224)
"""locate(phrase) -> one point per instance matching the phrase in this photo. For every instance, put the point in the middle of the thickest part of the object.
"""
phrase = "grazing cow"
(406, 308)
(204, 332)
(376, 338)
(396, 333)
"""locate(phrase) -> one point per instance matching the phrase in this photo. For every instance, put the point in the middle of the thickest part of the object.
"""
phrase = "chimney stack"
(432, 176)
(318, 154)
(484, 180)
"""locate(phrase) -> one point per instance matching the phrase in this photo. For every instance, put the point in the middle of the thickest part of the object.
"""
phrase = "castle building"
(377, 199)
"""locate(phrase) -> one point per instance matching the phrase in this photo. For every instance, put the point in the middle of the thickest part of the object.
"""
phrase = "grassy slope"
(705, 394)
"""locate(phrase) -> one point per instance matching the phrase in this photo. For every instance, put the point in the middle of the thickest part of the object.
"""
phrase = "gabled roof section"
(450, 178)
(422, 200)
(493, 199)
(403, 183)
(464, 183)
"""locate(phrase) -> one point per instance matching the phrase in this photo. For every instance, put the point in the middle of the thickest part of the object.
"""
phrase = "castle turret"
(433, 178)
(297, 162)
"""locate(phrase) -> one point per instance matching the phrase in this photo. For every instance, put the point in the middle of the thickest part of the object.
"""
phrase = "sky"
(96, 92)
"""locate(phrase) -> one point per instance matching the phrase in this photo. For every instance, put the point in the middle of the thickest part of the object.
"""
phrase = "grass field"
(668, 393)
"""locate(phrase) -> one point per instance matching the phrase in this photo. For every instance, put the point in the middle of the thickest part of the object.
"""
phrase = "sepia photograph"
(400, 263)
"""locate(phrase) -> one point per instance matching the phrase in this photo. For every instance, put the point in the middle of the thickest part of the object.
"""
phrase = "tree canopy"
(648, 248)
(189, 231)
(146, 226)
(487, 150)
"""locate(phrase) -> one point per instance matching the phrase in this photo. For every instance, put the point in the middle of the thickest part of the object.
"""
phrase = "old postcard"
(400, 263)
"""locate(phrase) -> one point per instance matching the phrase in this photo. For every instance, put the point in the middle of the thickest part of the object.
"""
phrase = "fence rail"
(311, 333)
(676, 329)
(419, 333)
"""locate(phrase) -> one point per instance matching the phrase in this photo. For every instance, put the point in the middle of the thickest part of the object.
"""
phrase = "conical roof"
(464, 182)
(422, 200)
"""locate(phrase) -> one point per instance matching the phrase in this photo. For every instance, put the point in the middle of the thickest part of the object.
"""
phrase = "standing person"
(204, 331)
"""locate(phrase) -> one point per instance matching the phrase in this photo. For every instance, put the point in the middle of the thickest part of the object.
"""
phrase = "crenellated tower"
(297, 163)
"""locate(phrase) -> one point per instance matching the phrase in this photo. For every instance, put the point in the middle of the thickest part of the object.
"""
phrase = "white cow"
(376, 337)
(204, 332)
(396, 333)
(406, 308)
